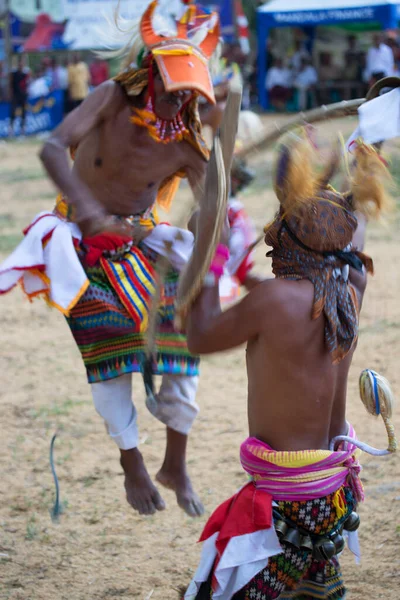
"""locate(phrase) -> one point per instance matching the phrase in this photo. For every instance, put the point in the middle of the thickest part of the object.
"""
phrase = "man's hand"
(110, 224)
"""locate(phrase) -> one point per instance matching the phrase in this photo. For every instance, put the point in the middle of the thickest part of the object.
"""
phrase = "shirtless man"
(301, 331)
(132, 137)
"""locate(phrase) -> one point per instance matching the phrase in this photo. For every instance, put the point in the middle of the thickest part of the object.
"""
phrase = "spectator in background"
(380, 61)
(78, 81)
(328, 73)
(279, 84)
(238, 62)
(47, 71)
(39, 85)
(300, 53)
(19, 80)
(60, 75)
(4, 84)
(305, 82)
(99, 71)
(393, 44)
(327, 70)
(269, 55)
(353, 60)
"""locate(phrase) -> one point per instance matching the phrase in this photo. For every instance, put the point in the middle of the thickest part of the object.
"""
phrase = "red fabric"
(244, 269)
(43, 33)
(250, 510)
(243, 30)
(104, 241)
(98, 72)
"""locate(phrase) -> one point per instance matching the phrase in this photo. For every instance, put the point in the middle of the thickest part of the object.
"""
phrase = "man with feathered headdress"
(280, 534)
(95, 257)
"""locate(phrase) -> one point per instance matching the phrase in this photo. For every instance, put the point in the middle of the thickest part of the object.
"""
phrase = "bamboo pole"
(344, 108)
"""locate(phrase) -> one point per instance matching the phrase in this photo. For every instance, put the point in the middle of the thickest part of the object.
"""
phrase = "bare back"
(296, 396)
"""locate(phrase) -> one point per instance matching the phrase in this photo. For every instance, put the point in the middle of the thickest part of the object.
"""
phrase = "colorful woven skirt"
(295, 574)
(109, 322)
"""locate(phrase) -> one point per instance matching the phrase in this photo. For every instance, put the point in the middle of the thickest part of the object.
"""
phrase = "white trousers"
(174, 405)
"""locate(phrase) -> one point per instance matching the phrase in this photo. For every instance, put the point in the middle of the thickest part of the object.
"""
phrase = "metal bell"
(306, 543)
(339, 542)
(280, 528)
(352, 523)
(324, 549)
(292, 537)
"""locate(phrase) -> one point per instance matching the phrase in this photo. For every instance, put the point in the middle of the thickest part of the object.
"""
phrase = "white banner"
(28, 10)
(76, 9)
(91, 22)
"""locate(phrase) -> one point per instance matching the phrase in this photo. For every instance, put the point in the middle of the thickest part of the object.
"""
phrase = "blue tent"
(311, 13)
(226, 12)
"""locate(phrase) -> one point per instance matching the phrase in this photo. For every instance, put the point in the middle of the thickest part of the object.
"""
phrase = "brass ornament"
(324, 549)
(292, 537)
(352, 523)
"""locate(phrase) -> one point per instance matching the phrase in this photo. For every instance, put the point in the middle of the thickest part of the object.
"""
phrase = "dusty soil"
(100, 548)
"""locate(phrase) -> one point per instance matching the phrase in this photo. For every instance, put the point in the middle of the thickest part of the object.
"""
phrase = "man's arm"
(196, 174)
(70, 133)
(358, 279)
(211, 330)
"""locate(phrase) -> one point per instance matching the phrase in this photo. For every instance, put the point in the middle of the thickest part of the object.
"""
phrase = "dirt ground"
(100, 548)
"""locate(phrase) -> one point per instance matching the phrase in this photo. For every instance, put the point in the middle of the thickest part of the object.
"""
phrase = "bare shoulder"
(265, 298)
(102, 104)
(279, 300)
(103, 101)
(107, 96)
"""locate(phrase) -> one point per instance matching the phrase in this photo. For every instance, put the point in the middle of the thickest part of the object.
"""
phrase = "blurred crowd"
(72, 76)
(294, 81)
(301, 81)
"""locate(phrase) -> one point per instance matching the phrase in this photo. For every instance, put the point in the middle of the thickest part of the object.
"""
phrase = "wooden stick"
(344, 108)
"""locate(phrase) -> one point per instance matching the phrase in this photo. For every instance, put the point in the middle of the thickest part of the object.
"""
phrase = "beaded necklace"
(160, 130)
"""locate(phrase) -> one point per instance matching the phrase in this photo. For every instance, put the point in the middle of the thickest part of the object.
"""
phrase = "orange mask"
(183, 64)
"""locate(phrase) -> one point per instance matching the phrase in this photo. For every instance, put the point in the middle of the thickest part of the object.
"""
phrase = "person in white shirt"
(304, 82)
(299, 54)
(279, 84)
(380, 61)
(38, 87)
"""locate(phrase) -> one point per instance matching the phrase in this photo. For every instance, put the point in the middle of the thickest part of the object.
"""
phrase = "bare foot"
(179, 482)
(141, 494)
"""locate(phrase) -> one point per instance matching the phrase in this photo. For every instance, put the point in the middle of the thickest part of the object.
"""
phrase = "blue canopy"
(311, 13)
(226, 15)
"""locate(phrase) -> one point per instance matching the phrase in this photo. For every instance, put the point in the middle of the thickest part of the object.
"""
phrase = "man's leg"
(113, 402)
(23, 116)
(176, 407)
(13, 109)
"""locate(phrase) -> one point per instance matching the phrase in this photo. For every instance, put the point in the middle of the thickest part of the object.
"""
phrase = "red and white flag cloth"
(242, 27)
(238, 540)
(46, 262)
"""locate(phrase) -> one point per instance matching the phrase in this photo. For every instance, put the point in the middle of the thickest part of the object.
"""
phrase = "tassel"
(147, 373)
(370, 181)
(339, 503)
(295, 180)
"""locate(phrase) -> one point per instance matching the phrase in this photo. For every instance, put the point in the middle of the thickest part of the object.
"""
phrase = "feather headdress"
(181, 43)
